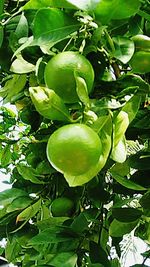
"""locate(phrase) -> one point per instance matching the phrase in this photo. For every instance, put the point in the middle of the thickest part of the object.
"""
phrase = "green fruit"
(60, 74)
(142, 42)
(62, 207)
(140, 62)
(74, 149)
(49, 104)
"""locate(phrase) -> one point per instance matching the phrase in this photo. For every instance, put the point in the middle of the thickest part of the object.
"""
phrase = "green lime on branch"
(49, 104)
(142, 42)
(74, 149)
(140, 61)
(59, 74)
(62, 207)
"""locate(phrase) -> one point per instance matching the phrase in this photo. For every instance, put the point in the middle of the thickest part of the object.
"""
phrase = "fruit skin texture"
(140, 62)
(142, 42)
(59, 74)
(74, 149)
(62, 206)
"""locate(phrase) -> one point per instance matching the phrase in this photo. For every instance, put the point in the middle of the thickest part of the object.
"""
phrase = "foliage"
(112, 198)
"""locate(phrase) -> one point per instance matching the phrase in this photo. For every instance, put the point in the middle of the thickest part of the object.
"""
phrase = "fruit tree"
(74, 131)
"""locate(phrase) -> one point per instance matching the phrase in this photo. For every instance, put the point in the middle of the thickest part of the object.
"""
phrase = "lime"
(62, 206)
(60, 71)
(140, 62)
(73, 149)
(142, 42)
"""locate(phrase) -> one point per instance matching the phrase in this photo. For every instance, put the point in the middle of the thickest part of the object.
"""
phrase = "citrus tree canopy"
(74, 131)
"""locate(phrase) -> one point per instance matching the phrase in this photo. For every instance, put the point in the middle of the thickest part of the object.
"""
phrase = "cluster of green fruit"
(74, 148)
(140, 61)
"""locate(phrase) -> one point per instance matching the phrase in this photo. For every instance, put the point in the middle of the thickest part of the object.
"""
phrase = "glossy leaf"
(6, 155)
(7, 196)
(118, 229)
(65, 259)
(98, 255)
(126, 214)
(140, 160)
(124, 48)
(119, 152)
(82, 90)
(21, 66)
(1, 6)
(13, 87)
(127, 182)
(120, 9)
(28, 173)
(75, 4)
(19, 203)
(49, 104)
(132, 107)
(121, 123)
(29, 212)
(1, 35)
(36, 4)
(22, 27)
(145, 200)
(12, 250)
(49, 236)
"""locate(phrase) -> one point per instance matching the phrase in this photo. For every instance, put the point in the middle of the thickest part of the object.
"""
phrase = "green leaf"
(7, 196)
(49, 104)
(51, 222)
(13, 248)
(98, 255)
(65, 259)
(82, 90)
(73, 4)
(13, 87)
(52, 19)
(140, 160)
(142, 119)
(124, 48)
(19, 203)
(6, 155)
(21, 66)
(50, 235)
(126, 214)
(119, 152)
(126, 182)
(121, 123)
(1, 6)
(132, 107)
(118, 229)
(29, 212)
(37, 4)
(115, 263)
(22, 27)
(81, 222)
(115, 9)
(145, 200)
(51, 26)
(1, 35)
(29, 174)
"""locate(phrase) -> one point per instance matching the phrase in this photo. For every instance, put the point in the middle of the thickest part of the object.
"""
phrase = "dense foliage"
(56, 216)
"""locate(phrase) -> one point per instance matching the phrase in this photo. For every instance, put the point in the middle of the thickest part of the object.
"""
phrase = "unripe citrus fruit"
(140, 62)
(142, 42)
(60, 71)
(74, 149)
(62, 206)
